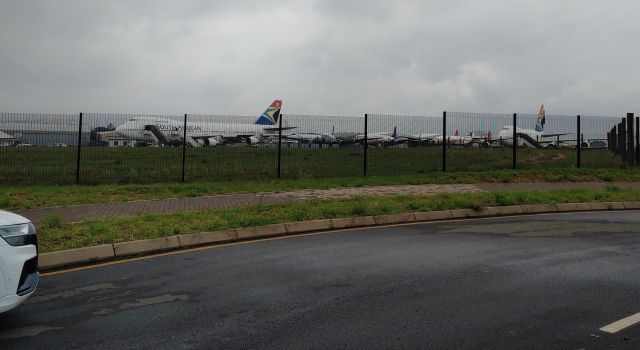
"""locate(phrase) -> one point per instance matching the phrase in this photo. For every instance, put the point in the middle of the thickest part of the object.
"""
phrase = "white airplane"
(454, 140)
(321, 138)
(381, 138)
(169, 131)
(437, 139)
(527, 137)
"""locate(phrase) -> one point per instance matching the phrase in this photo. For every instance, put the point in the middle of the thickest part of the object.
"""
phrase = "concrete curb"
(145, 246)
(78, 256)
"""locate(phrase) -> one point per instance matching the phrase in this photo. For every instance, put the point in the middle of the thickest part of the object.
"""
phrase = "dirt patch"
(538, 159)
(559, 156)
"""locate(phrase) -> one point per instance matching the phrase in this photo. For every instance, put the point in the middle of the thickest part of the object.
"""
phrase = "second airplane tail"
(271, 114)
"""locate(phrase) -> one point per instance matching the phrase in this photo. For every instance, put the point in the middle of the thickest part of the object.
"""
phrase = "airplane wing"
(283, 128)
(555, 135)
(420, 137)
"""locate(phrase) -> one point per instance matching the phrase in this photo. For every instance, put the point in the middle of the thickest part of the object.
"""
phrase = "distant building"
(7, 140)
(113, 139)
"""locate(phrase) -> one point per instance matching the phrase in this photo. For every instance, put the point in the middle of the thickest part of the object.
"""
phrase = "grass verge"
(25, 197)
(62, 236)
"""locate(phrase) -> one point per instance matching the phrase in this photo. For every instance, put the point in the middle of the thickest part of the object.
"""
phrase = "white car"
(18, 260)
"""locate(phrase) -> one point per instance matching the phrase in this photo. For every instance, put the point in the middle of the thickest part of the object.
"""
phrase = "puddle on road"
(160, 299)
(103, 312)
(70, 293)
(30, 331)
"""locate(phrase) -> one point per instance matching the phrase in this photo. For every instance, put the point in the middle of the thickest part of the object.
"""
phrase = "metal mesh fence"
(226, 147)
(478, 141)
(595, 152)
(126, 148)
(129, 148)
(548, 142)
(322, 146)
(38, 148)
(403, 144)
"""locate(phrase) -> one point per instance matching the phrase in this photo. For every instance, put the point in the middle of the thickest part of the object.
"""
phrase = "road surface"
(538, 282)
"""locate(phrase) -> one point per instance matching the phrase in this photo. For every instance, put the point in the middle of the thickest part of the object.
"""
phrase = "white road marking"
(617, 326)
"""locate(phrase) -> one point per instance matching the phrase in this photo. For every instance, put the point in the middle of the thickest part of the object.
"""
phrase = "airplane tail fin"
(395, 132)
(271, 114)
(541, 119)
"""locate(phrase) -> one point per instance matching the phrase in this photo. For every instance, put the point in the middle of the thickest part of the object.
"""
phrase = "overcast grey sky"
(319, 56)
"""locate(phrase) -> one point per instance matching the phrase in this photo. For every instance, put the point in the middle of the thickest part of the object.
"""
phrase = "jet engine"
(212, 142)
(253, 140)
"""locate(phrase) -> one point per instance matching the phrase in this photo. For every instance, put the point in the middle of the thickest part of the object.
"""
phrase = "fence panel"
(130, 148)
(124, 148)
(224, 147)
(595, 153)
(548, 142)
(478, 141)
(403, 144)
(322, 146)
(38, 148)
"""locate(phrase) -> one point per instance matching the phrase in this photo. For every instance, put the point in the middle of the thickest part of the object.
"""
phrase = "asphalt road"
(540, 282)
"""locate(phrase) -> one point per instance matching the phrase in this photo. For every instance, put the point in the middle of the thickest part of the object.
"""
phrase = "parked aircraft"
(381, 138)
(168, 131)
(320, 138)
(428, 139)
(528, 137)
(437, 139)
(455, 140)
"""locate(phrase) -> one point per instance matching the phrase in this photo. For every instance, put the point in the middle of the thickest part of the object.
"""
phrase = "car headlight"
(18, 235)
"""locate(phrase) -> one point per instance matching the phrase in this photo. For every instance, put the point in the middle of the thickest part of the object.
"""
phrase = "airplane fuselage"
(505, 136)
(135, 129)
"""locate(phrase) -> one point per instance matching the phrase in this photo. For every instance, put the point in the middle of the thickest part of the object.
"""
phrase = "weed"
(52, 221)
(502, 199)
(606, 178)
(359, 207)
(414, 206)
(613, 188)
(98, 227)
(5, 201)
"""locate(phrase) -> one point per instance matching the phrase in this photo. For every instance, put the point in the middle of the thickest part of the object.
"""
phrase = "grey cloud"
(323, 56)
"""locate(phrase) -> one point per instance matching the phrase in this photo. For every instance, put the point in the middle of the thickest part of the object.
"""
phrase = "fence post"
(617, 140)
(79, 147)
(630, 139)
(578, 142)
(366, 143)
(614, 140)
(184, 144)
(622, 140)
(280, 143)
(444, 141)
(515, 142)
(637, 140)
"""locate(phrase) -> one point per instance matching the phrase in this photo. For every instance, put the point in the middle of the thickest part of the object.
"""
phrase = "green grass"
(113, 230)
(25, 197)
(101, 165)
